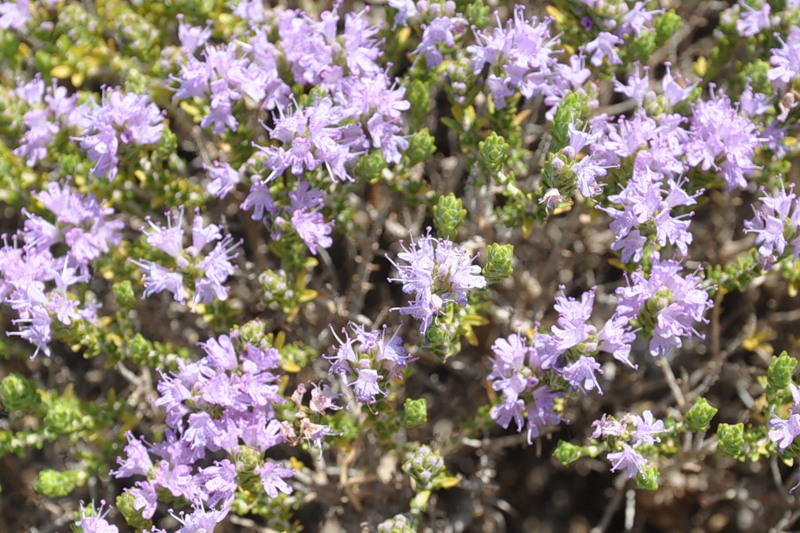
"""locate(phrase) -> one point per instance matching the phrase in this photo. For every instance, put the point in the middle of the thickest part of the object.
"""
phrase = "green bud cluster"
(779, 373)
(499, 259)
(641, 48)
(65, 415)
(370, 166)
(55, 484)
(567, 453)
(420, 147)
(699, 415)
(425, 467)
(19, 394)
(140, 349)
(666, 26)
(731, 440)
(736, 275)
(478, 13)
(123, 293)
(573, 109)
(443, 339)
(558, 174)
(492, 154)
(649, 479)
(448, 214)
(252, 332)
(419, 98)
(415, 412)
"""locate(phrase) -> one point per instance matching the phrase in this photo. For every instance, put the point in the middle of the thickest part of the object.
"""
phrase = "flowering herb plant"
(399, 266)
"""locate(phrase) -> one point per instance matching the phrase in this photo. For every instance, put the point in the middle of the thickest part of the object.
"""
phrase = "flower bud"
(448, 214)
(420, 147)
(123, 292)
(19, 394)
(780, 371)
(252, 332)
(567, 453)
(371, 165)
(55, 484)
(478, 13)
(700, 415)
(420, 100)
(499, 262)
(397, 524)
(415, 412)
(647, 480)
(493, 153)
(666, 26)
(64, 416)
(424, 466)
(731, 439)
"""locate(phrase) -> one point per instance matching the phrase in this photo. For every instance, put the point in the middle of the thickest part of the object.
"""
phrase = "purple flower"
(722, 139)
(210, 270)
(137, 462)
(322, 399)
(223, 179)
(121, 118)
(541, 412)
(200, 520)
(159, 279)
(605, 428)
(509, 409)
(361, 48)
(572, 328)
(436, 272)
(581, 374)
(40, 133)
(310, 46)
(439, 30)
(784, 432)
(646, 204)
(366, 386)
(671, 301)
(311, 137)
(96, 521)
(628, 459)
(145, 499)
(272, 479)
(752, 22)
(371, 358)
(378, 104)
(520, 56)
(14, 15)
(192, 37)
(637, 19)
(312, 229)
(616, 338)
(785, 60)
(511, 354)
(406, 9)
(775, 222)
(603, 46)
(260, 201)
(637, 87)
(647, 428)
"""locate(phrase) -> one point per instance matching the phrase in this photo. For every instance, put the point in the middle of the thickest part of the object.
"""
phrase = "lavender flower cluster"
(221, 418)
